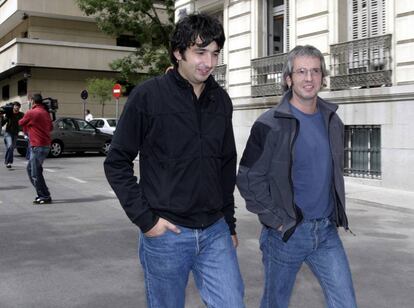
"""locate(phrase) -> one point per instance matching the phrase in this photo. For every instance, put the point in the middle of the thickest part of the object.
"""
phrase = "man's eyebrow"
(199, 47)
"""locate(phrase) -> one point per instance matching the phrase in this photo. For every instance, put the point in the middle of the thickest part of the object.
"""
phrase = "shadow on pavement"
(80, 200)
(13, 187)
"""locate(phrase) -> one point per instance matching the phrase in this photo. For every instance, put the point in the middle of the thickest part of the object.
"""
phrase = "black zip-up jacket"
(187, 154)
(12, 122)
(265, 171)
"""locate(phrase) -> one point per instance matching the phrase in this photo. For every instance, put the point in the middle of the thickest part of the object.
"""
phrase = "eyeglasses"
(303, 72)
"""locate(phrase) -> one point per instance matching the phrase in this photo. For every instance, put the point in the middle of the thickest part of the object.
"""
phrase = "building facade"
(366, 44)
(51, 47)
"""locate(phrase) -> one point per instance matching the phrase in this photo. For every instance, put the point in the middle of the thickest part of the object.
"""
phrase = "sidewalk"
(380, 195)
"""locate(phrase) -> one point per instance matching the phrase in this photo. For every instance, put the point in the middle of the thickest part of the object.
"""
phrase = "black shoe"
(36, 200)
(8, 166)
(42, 201)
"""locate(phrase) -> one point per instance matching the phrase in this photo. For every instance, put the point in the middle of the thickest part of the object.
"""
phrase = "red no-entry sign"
(117, 90)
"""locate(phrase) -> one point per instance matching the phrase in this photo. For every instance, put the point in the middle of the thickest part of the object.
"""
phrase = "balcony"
(57, 54)
(361, 63)
(267, 75)
(219, 75)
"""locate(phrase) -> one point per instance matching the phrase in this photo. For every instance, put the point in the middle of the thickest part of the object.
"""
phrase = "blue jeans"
(209, 253)
(35, 171)
(316, 243)
(10, 142)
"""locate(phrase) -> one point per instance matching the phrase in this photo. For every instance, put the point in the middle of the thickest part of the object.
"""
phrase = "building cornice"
(69, 44)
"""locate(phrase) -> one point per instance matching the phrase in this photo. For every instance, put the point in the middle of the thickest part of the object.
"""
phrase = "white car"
(105, 125)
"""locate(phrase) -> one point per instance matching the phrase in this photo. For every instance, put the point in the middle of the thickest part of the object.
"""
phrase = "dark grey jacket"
(265, 173)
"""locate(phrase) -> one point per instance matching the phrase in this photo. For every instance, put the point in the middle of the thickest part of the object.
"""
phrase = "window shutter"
(287, 25)
(367, 18)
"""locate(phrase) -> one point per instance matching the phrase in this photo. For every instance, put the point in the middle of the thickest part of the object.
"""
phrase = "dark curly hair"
(192, 26)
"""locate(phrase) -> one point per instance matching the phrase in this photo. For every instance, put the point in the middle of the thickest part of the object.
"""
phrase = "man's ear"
(177, 55)
(289, 81)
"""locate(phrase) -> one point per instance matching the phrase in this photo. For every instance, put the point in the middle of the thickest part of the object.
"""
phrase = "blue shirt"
(312, 166)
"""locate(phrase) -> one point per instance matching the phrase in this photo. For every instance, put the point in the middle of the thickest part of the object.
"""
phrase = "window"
(219, 16)
(84, 126)
(5, 92)
(278, 23)
(22, 87)
(66, 124)
(366, 19)
(363, 151)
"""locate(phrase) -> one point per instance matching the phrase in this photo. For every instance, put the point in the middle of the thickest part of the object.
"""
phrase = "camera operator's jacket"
(187, 154)
(38, 125)
(265, 172)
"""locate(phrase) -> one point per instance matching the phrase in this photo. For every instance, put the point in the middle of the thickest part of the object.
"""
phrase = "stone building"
(366, 44)
(50, 46)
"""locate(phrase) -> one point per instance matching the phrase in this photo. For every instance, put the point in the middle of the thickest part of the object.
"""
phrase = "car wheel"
(105, 147)
(22, 151)
(56, 149)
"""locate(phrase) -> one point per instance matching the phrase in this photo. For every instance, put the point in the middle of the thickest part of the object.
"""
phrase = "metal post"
(117, 108)
(84, 108)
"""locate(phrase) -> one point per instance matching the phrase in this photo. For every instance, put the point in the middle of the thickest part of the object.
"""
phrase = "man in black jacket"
(11, 120)
(291, 175)
(180, 124)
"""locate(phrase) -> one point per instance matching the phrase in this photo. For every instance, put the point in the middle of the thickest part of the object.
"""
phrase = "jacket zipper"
(197, 105)
(290, 231)
(333, 168)
(338, 200)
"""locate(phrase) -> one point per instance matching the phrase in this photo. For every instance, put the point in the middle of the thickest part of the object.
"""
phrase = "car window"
(112, 122)
(97, 123)
(66, 124)
(85, 126)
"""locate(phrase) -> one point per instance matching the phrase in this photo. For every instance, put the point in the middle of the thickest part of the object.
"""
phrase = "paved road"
(81, 250)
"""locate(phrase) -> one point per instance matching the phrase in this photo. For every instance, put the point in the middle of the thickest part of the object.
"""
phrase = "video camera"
(51, 104)
(7, 109)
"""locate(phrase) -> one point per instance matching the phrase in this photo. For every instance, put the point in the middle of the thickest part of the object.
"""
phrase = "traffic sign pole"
(84, 96)
(117, 108)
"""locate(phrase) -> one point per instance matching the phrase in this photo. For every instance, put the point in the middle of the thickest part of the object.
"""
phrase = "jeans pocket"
(154, 237)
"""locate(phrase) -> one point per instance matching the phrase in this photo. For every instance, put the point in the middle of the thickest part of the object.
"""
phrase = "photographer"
(10, 116)
(38, 125)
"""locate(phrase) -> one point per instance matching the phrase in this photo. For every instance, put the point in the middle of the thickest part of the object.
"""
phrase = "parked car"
(105, 125)
(72, 135)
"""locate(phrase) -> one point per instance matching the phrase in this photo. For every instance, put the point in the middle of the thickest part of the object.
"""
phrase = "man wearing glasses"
(291, 176)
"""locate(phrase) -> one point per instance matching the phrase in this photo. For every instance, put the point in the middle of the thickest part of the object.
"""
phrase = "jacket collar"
(210, 83)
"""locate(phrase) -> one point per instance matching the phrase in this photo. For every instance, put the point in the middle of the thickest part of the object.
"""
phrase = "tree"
(150, 22)
(101, 89)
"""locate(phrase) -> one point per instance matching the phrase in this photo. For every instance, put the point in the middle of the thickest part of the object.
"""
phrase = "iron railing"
(267, 75)
(363, 151)
(361, 63)
(219, 75)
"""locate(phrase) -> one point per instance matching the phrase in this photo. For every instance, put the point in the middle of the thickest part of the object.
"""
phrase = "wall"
(67, 31)
(404, 41)
(66, 86)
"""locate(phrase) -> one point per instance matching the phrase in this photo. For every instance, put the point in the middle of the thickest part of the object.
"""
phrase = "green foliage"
(149, 25)
(101, 89)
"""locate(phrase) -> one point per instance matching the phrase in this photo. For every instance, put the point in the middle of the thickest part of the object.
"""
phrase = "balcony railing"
(219, 75)
(362, 63)
(267, 75)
